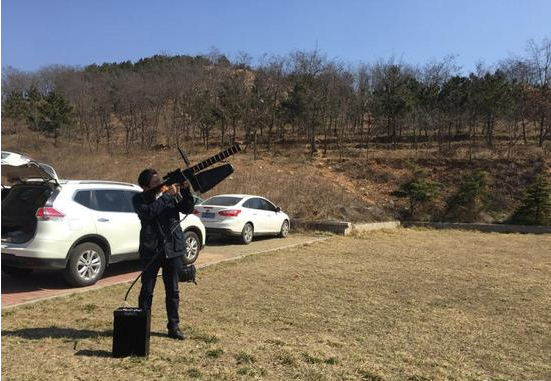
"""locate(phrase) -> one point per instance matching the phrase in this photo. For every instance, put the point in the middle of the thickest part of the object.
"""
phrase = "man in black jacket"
(161, 233)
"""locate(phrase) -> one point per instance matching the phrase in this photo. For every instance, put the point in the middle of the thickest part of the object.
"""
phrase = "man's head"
(148, 179)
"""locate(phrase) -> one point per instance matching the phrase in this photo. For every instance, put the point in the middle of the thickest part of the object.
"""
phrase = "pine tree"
(14, 106)
(418, 190)
(536, 206)
(471, 199)
(56, 113)
(35, 102)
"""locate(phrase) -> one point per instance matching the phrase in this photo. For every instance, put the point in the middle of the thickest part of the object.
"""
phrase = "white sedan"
(242, 215)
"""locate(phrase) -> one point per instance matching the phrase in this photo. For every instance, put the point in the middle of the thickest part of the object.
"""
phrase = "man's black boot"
(176, 334)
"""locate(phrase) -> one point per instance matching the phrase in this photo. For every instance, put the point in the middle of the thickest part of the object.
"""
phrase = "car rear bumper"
(32, 263)
(36, 254)
(222, 231)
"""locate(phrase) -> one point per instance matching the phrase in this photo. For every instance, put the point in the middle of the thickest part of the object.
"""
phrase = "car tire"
(16, 272)
(192, 247)
(247, 234)
(86, 265)
(284, 232)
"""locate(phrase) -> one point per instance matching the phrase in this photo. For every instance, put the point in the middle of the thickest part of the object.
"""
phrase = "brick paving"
(48, 284)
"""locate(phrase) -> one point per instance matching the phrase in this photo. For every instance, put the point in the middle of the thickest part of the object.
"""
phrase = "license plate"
(207, 215)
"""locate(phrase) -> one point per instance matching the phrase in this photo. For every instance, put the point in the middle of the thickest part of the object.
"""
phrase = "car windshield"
(222, 201)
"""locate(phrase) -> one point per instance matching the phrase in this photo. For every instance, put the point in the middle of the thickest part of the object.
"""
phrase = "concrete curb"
(347, 228)
(336, 227)
(343, 227)
(487, 228)
(361, 228)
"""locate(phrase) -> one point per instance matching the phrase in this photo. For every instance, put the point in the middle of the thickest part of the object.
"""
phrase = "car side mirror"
(278, 209)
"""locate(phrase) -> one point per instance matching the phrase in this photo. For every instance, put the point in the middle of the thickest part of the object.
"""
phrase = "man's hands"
(175, 188)
(184, 185)
(172, 189)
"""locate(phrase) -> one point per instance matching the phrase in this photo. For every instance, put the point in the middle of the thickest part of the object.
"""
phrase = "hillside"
(352, 187)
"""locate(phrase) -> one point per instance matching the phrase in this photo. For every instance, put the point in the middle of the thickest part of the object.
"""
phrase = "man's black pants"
(171, 267)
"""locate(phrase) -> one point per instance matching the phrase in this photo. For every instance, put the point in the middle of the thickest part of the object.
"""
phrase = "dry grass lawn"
(397, 305)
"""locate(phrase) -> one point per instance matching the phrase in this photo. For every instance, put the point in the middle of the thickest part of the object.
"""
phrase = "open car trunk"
(19, 211)
(31, 189)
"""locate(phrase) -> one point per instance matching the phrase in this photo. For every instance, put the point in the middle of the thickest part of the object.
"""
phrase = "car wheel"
(284, 232)
(247, 233)
(16, 272)
(86, 265)
(192, 247)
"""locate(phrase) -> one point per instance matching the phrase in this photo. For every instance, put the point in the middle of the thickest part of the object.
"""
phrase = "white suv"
(75, 225)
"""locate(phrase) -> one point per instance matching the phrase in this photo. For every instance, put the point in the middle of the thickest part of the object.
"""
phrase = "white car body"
(17, 159)
(14, 158)
(228, 214)
(75, 212)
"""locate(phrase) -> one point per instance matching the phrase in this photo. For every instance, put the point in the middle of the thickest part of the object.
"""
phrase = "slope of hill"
(351, 188)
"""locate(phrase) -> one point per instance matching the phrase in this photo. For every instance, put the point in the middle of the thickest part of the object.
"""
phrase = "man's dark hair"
(145, 177)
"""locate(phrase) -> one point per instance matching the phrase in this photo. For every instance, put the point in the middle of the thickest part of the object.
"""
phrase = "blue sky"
(38, 33)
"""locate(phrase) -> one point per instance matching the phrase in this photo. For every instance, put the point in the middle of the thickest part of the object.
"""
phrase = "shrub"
(536, 206)
(417, 190)
(471, 199)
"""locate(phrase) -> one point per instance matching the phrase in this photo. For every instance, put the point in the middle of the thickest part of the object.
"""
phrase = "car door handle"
(102, 219)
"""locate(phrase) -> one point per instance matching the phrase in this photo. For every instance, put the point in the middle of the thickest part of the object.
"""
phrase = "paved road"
(47, 284)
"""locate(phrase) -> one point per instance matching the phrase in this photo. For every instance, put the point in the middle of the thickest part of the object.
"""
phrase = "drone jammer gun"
(200, 178)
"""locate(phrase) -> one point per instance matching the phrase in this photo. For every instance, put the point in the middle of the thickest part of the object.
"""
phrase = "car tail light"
(229, 213)
(195, 211)
(47, 213)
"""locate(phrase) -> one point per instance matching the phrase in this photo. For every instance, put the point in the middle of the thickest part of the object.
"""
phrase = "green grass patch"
(244, 358)
(215, 353)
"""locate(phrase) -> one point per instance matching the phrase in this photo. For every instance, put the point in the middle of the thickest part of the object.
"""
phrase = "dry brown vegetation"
(302, 186)
(396, 305)
(354, 185)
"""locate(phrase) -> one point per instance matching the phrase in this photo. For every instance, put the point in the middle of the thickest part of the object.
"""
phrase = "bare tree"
(540, 61)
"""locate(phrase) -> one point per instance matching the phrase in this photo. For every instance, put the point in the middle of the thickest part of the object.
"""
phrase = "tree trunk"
(223, 130)
(542, 133)
(254, 144)
(523, 123)
(313, 134)
(450, 135)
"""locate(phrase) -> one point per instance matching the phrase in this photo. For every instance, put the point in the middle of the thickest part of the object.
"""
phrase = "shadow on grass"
(92, 353)
(52, 280)
(63, 333)
(56, 333)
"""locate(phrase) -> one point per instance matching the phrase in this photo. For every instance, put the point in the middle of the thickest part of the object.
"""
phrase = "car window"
(252, 203)
(266, 205)
(222, 201)
(83, 198)
(130, 195)
(5, 155)
(112, 200)
(255, 203)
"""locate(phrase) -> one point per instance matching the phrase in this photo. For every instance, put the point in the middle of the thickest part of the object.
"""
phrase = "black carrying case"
(131, 331)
